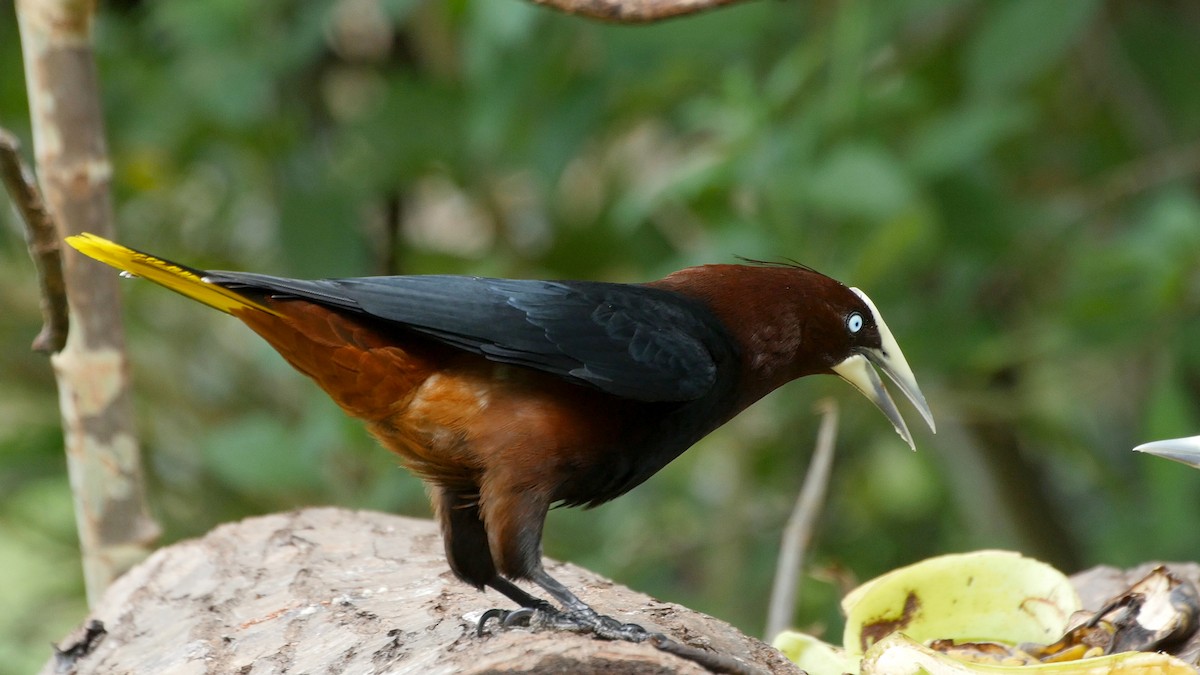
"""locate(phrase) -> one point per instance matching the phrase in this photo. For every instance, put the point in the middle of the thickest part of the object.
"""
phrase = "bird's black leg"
(513, 592)
(580, 617)
(514, 519)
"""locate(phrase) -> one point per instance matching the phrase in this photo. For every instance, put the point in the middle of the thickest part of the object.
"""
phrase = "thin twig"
(41, 236)
(633, 11)
(799, 528)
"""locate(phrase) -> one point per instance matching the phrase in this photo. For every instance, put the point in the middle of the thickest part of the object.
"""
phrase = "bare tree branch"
(798, 532)
(633, 11)
(115, 528)
(41, 235)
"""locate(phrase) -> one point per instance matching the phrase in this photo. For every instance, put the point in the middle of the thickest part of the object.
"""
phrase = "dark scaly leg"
(580, 617)
(518, 595)
(514, 521)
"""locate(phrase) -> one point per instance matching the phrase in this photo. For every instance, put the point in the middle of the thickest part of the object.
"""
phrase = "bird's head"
(859, 343)
(791, 321)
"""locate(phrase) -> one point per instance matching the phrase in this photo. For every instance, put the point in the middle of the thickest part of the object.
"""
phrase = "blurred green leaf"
(1155, 43)
(1022, 39)
(39, 555)
(965, 136)
(860, 181)
(258, 455)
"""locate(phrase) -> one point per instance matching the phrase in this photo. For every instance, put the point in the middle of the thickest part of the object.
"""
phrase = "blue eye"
(854, 322)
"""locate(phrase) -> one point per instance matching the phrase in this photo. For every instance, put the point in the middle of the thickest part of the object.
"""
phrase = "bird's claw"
(522, 617)
(507, 618)
(503, 617)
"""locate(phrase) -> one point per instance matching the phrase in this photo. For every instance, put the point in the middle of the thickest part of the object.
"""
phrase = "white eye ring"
(854, 322)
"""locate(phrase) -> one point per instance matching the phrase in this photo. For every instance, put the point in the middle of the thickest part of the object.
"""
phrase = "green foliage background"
(1014, 183)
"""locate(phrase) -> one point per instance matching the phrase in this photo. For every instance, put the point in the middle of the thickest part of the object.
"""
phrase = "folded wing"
(631, 341)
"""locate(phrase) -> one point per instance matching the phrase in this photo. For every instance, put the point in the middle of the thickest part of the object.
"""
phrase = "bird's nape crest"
(784, 262)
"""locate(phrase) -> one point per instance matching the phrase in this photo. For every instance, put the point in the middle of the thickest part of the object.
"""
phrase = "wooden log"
(328, 590)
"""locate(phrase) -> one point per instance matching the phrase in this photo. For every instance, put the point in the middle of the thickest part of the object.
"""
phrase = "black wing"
(636, 342)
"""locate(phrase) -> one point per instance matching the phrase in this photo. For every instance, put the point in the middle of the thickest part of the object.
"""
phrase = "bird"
(509, 397)
(1184, 450)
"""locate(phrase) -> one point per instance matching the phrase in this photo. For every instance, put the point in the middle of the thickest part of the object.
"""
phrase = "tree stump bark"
(327, 590)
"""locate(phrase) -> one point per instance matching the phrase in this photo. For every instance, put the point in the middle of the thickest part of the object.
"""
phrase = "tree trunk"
(115, 528)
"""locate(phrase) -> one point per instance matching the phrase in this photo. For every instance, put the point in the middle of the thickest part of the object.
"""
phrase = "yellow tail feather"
(181, 279)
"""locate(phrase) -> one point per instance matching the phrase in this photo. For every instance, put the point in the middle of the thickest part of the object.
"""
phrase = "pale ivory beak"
(1185, 450)
(856, 369)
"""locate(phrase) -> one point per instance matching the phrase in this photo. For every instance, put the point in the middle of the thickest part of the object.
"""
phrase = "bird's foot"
(603, 627)
(579, 621)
